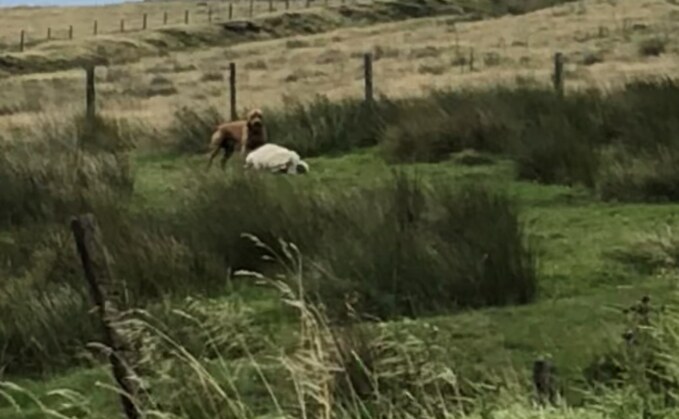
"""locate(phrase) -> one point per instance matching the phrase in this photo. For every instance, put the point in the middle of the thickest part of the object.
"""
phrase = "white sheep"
(276, 159)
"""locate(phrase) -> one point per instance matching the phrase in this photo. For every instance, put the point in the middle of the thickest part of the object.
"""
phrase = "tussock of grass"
(620, 144)
(192, 129)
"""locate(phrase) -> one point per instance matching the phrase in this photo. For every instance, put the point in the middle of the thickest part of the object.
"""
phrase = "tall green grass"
(361, 370)
(371, 246)
(620, 143)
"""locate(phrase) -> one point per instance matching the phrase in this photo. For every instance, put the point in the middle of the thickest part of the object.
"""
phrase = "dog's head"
(255, 121)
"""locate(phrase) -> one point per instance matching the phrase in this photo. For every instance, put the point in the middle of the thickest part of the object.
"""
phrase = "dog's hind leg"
(225, 157)
(213, 154)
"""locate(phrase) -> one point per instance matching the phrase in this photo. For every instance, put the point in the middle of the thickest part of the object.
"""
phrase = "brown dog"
(243, 135)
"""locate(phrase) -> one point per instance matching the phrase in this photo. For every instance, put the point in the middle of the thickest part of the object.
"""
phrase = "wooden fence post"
(144, 21)
(90, 93)
(230, 11)
(232, 91)
(22, 40)
(209, 15)
(287, 4)
(270, 6)
(186, 17)
(49, 34)
(368, 71)
(97, 274)
(544, 381)
(252, 7)
(558, 73)
(70, 32)
(164, 18)
(122, 25)
(95, 28)
(308, 3)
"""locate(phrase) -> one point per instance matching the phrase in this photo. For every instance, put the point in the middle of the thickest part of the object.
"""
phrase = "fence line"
(211, 15)
(368, 82)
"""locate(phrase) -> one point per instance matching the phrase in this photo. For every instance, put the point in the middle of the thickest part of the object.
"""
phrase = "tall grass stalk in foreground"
(356, 370)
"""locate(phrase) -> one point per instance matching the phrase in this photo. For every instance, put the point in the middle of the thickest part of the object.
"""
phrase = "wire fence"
(96, 21)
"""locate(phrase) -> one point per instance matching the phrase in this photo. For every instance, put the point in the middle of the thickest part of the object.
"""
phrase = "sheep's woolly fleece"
(276, 158)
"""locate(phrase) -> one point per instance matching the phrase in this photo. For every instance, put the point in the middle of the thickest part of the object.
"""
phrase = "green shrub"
(219, 212)
(650, 177)
(416, 250)
(62, 169)
(323, 126)
(642, 363)
(554, 151)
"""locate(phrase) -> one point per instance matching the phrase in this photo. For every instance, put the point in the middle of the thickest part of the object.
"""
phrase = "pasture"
(466, 224)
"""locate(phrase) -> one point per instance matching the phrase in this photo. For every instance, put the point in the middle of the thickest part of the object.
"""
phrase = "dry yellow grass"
(35, 21)
(600, 40)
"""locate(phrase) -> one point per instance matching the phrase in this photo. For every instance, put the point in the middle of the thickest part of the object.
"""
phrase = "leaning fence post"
(49, 34)
(368, 72)
(97, 274)
(122, 25)
(544, 381)
(90, 93)
(22, 40)
(232, 91)
(558, 73)
(95, 28)
(186, 17)
(70, 32)
(144, 21)
(230, 11)
(164, 18)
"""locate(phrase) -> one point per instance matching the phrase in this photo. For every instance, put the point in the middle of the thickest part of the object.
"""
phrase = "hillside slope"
(130, 47)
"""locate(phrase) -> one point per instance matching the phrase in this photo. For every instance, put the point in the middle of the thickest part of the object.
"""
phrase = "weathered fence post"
(164, 18)
(122, 25)
(97, 274)
(252, 7)
(90, 93)
(144, 21)
(70, 32)
(368, 71)
(22, 40)
(270, 6)
(209, 15)
(232, 91)
(308, 3)
(186, 17)
(49, 34)
(230, 11)
(544, 381)
(558, 73)
(95, 28)
(287, 4)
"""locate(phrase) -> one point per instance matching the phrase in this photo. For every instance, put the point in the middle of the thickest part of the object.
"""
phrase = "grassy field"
(485, 226)
(603, 45)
